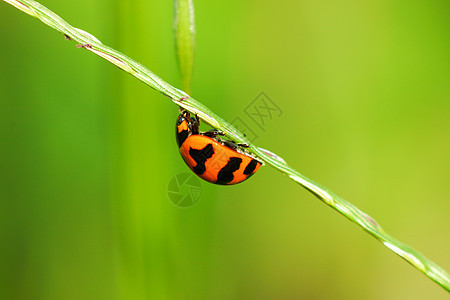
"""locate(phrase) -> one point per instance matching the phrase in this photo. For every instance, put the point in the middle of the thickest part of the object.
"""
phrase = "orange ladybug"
(212, 159)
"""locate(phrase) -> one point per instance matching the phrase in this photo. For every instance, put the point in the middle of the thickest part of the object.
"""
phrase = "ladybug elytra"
(212, 159)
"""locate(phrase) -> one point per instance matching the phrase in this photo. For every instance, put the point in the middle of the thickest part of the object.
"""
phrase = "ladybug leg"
(195, 123)
(243, 145)
(230, 145)
(183, 112)
(198, 120)
(213, 133)
(233, 145)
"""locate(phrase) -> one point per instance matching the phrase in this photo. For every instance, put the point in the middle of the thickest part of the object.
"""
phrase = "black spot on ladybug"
(251, 167)
(200, 157)
(226, 173)
(181, 137)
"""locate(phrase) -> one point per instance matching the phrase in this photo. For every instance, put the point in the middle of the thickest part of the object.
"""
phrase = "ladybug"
(212, 159)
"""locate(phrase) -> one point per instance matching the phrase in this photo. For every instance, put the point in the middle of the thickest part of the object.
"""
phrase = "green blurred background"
(87, 152)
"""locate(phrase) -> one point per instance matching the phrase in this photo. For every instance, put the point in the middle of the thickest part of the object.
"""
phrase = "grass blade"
(184, 27)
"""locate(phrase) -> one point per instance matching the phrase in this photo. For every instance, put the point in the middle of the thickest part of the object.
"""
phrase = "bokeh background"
(87, 152)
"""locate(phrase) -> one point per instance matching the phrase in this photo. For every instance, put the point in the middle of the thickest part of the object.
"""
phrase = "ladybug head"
(186, 125)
